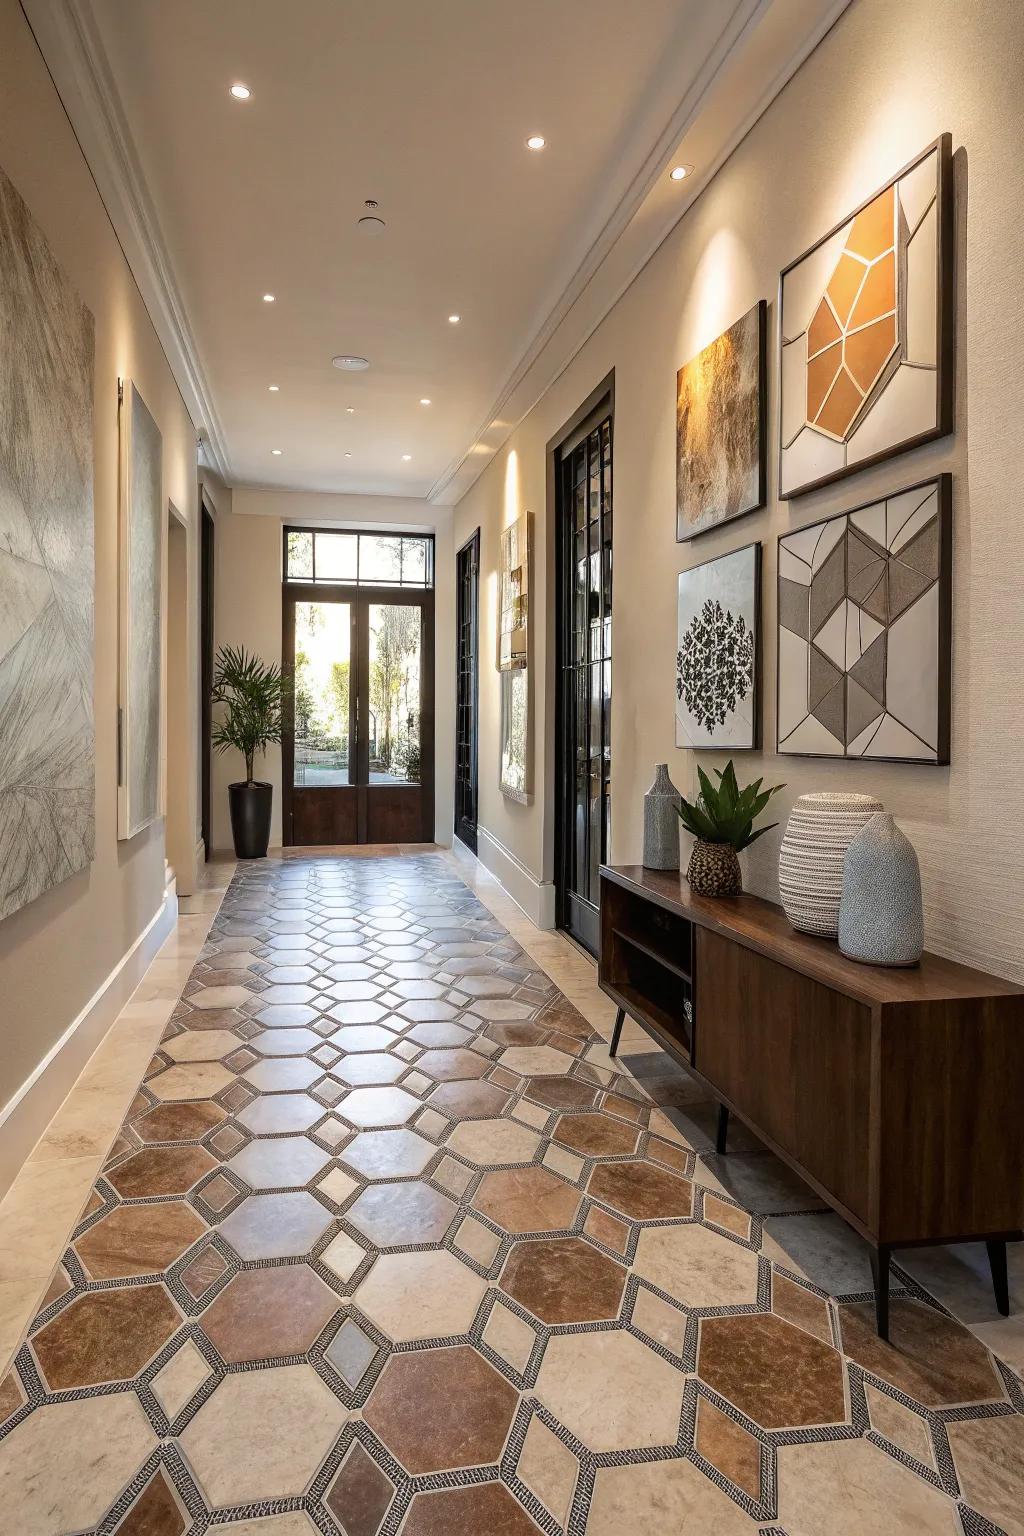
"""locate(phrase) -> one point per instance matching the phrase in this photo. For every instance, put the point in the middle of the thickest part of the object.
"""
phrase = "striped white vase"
(820, 829)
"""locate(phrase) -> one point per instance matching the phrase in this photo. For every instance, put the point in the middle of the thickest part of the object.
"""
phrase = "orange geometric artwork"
(853, 337)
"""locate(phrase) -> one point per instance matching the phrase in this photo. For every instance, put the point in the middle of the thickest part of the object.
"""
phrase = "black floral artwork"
(715, 665)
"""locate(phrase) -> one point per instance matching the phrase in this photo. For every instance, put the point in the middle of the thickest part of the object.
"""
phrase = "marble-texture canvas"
(717, 661)
(864, 631)
(867, 331)
(47, 567)
(142, 526)
(721, 404)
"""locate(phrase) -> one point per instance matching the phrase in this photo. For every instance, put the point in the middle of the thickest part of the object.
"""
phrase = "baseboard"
(536, 897)
(27, 1114)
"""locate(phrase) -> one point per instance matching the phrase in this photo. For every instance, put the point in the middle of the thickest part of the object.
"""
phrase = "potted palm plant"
(252, 693)
(722, 821)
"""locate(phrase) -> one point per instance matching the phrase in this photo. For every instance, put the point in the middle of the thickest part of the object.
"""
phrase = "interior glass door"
(320, 753)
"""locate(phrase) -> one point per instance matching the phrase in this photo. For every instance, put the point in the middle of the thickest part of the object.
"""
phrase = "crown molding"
(69, 40)
(628, 241)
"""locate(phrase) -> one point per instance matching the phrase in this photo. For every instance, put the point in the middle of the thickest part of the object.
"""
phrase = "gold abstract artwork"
(720, 397)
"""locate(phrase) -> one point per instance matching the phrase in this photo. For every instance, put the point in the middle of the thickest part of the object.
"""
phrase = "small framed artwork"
(721, 427)
(866, 329)
(717, 660)
(864, 630)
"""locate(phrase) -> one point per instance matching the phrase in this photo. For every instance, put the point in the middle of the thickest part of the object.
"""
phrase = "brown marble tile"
(516, 1033)
(641, 1190)
(596, 1135)
(607, 1229)
(669, 1154)
(563, 1280)
(178, 1122)
(626, 1109)
(397, 1215)
(727, 1216)
(161, 1171)
(452, 1065)
(202, 1272)
(729, 1447)
(156, 1512)
(561, 1092)
(527, 1200)
(105, 1336)
(264, 1313)
(11, 1396)
(360, 1494)
(438, 1409)
(138, 1240)
(930, 1357)
(774, 1373)
(469, 1100)
(484, 1509)
(800, 1306)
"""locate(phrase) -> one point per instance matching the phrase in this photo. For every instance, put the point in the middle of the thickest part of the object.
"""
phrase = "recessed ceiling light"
(424, 400)
(680, 172)
(348, 455)
(536, 141)
(274, 388)
(454, 319)
(240, 92)
(276, 452)
(350, 410)
(349, 363)
(269, 298)
(406, 457)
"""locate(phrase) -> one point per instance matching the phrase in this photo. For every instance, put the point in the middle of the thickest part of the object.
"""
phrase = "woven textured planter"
(820, 829)
(714, 870)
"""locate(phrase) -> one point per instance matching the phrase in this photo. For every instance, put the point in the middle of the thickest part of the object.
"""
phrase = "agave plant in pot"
(252, 693)
(722, 821)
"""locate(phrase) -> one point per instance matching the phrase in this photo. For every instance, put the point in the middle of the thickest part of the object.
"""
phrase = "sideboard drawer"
(792, 1056)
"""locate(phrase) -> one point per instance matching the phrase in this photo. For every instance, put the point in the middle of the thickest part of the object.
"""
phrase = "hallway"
(387, 1243)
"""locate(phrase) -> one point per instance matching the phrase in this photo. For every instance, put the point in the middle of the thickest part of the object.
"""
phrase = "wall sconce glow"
(454, 319)
(511, 497)
(240, 92)
(680, 172)
(536, 141)
(276, 452)
(269, 298)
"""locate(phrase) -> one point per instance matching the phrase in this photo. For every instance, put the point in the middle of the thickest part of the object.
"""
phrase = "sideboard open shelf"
(894, 1093)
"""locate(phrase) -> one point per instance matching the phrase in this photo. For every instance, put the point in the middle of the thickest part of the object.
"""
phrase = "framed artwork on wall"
(141, 531)
(721, 427)
(514, 595)
(717, 659)
(47, 566)
(515, 735)
(864, 630)
(866, 328)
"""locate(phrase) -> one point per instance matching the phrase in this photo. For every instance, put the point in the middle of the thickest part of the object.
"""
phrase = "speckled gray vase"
(881, 917)
(661, 822)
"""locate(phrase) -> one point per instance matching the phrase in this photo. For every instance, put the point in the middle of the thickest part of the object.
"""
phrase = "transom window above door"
(326, 557)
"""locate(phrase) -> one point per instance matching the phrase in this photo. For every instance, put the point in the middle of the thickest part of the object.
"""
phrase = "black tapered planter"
(251, 805)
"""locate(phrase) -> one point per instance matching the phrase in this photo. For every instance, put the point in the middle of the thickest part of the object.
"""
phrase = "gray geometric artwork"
(864, 622)
(47, 745)
(717, 661)
(142, 523)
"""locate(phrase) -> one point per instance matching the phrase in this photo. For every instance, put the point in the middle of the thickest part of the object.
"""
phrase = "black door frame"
(466, 825)
(207, 543)
(360, 597)
(598, 404)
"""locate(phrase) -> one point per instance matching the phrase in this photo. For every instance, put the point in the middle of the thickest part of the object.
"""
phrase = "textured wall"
(888, 79)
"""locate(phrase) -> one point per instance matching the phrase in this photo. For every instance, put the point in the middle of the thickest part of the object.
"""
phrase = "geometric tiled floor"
(386, 1244)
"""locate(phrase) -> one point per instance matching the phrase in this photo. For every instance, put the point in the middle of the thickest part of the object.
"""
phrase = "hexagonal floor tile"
(611, 1391)
(596, 1135)
(280, 1162)
(878, 1495)
(563, 1280)
(365, 1107)
(494, 1142)
(161, 1171)
(930, 1357)
(562, 1092)
(469, 1099)
(452, 1065)
(439, 1034)
(266, 1313)
(536, 1060)
(369, 1067)
(663, 1496)
(178, 1122)
(388, 1154)
(989, 1458)
(138, 1240)
(363, 1037)
(397, 1215)
(482, 1509)
(196, 1080)
(105, 1336)
(699, 1267)
(277, 1076)
(276, 1112)
(527, 1200)
(776, 1374)
(641, 1190)
(201, 1045)
(439, 1409)
(285, 1042)
(262, 1435)
(275, 1226)
(420, 1295)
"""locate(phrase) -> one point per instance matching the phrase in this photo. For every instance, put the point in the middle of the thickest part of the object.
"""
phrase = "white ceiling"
(425, 108)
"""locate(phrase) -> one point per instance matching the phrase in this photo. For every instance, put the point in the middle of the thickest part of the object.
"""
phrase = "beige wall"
(58, 952)
(248, 612)
(888, 79)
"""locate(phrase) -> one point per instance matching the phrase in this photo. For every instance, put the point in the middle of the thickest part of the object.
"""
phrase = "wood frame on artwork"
(945, 299)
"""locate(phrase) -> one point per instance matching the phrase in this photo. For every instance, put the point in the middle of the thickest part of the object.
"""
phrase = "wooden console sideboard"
(894, 1093)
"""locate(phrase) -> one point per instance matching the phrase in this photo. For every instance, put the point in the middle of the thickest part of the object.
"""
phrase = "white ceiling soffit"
(730, 61)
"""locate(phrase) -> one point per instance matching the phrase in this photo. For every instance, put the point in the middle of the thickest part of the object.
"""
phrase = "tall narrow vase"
(661, 822)
(881, 916)
(820, 829)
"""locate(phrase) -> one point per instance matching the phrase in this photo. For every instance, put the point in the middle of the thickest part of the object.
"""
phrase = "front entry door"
(358, 747)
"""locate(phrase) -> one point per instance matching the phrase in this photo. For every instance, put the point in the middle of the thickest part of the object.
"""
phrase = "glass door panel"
(322, 739)
(395, 641)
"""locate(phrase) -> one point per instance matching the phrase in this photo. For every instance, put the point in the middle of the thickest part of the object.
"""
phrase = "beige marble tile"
(509, 1336)
(699, 1267)
(851, 1488)
(180, 1379)
(421, 1295)
(663, 1496)
(494, 1142)
(989, 1458)
(613, 1392)
(549, 1469)
(38, 1212)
